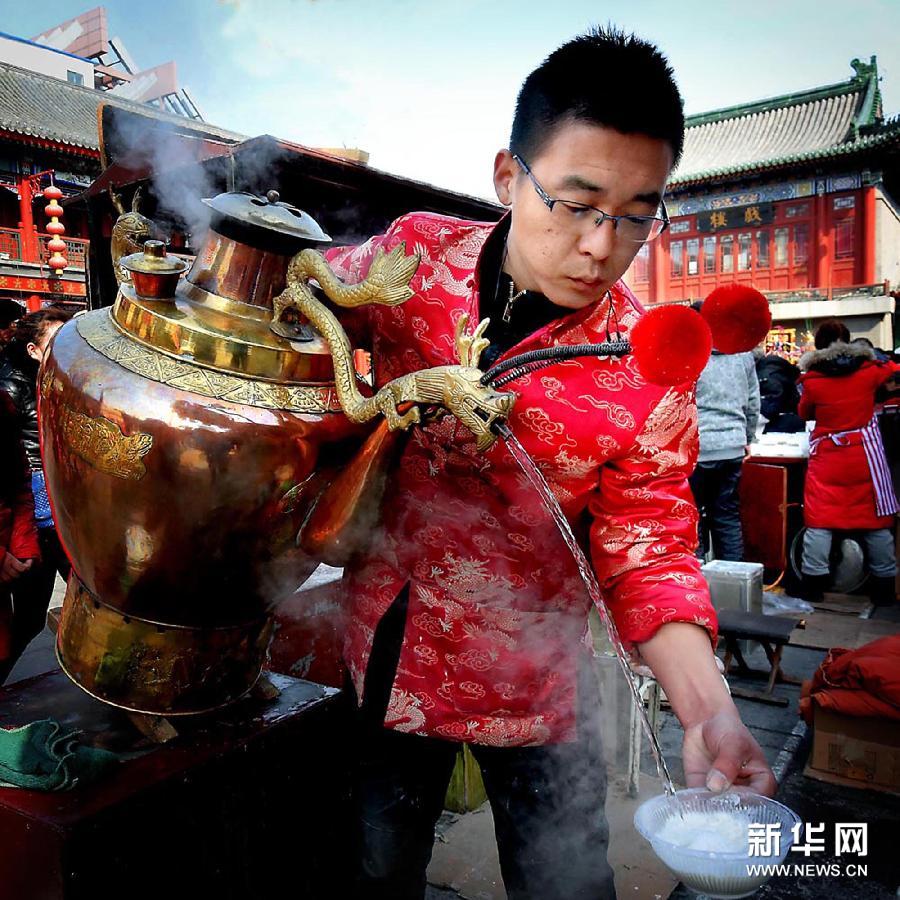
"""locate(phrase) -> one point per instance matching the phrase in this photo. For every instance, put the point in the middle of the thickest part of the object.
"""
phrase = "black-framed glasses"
(579, 216)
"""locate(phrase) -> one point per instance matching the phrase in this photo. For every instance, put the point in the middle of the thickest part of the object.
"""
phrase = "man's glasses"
(579, 216)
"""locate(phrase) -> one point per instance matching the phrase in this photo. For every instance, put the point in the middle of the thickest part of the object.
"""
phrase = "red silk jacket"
(497, 611)
(839, 491)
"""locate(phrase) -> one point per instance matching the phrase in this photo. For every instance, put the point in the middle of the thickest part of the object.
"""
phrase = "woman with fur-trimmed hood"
(848, 484)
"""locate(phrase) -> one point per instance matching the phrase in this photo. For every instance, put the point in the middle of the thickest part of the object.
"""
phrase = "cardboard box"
(854, 751)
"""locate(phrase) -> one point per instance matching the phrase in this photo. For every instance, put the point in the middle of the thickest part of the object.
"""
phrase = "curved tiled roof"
(890, 135)
(43, 107)
(820, 123)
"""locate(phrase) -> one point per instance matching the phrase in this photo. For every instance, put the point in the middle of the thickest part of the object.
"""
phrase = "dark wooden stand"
(772, 632)
(247, 803)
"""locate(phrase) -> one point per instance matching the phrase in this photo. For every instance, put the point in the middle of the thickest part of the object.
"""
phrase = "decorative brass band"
(100, 332)
(156, 669)
(244, 346)
(102, 444)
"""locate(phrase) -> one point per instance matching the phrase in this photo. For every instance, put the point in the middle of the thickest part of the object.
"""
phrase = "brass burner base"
(152, 668)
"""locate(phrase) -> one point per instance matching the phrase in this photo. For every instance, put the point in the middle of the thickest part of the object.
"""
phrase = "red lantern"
(57, 246)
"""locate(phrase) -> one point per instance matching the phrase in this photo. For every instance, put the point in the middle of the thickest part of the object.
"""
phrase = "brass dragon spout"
(456, 388)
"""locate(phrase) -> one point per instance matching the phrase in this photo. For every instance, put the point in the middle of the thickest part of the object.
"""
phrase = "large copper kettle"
(189, 431)
(182, 433)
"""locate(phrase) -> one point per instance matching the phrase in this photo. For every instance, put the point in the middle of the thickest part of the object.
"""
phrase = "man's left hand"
(720, 751)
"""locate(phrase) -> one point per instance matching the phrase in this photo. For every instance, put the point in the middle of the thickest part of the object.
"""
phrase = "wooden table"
(241, 804)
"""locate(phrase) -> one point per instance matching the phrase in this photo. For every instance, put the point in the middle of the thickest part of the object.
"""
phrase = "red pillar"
(30, 249)
(659, 287)
(868, 236)
(823, 244)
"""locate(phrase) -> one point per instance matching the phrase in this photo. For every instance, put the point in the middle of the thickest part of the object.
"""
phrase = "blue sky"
(428, 86)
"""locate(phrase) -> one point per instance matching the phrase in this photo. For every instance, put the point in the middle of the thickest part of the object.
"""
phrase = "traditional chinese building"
(50, 90)
(796, 195)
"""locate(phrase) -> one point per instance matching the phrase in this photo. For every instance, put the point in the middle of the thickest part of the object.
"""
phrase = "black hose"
(547, 356)
(519, 371)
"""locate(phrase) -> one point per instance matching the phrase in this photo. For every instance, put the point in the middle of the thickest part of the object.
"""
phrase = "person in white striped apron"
(848, 483)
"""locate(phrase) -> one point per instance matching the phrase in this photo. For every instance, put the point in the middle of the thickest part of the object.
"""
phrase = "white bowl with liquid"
(704, 838)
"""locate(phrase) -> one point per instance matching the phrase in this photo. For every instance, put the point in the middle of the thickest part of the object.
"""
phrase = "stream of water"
(531, 471)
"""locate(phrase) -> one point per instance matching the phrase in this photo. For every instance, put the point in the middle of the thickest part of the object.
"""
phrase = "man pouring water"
(467, 617)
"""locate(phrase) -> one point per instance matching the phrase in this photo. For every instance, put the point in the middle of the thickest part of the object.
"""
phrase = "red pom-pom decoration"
(738, 317)
(52, 192)
(671, 345)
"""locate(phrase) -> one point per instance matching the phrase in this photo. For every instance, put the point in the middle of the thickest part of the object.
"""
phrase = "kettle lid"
(265, 217)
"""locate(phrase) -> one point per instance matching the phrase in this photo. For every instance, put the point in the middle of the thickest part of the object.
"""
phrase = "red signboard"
(736, 217)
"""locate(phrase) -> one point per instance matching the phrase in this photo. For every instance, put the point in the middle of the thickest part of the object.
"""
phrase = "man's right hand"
(11, 568)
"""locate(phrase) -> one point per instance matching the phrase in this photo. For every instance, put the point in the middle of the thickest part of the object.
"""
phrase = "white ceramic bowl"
(712, 872)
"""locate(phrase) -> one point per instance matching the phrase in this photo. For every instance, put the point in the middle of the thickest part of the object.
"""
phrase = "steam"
(177, 181)
(501, 605)
(182, 173)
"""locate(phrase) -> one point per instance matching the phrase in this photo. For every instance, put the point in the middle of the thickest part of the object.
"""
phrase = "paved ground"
(465, 863)
(787, 743)
(467, 841)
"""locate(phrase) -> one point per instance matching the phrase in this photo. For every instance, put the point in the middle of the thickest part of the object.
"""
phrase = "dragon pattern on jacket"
(497, 611)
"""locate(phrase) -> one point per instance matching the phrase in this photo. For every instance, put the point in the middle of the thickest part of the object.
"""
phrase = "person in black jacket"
(28, 339)
(779, 395)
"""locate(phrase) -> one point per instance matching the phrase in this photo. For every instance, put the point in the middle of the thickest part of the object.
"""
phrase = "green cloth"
(40, 757)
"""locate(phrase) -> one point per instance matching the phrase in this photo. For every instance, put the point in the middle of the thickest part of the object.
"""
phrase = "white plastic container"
(735, 585)
(717, 873)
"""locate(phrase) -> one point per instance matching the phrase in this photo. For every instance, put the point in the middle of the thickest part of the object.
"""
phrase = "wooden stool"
(772, 632)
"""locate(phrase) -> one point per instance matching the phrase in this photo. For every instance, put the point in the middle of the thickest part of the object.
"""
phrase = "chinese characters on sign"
(736, 217)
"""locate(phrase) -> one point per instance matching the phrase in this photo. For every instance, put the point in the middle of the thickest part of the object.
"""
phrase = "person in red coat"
(848, 482)
(467, 617)
(18, 533)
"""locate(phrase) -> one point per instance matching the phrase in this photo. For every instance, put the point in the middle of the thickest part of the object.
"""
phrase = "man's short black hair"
(604, 77)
